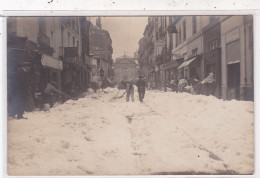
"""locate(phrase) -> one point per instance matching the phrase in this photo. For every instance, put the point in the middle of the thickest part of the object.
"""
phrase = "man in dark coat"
(141, 88)
(128, 86)
(21, 86)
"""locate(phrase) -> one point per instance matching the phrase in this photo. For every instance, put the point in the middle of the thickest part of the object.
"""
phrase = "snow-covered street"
(170, 133)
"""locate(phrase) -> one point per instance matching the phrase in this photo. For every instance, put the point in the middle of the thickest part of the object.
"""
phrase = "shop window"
(193, 73)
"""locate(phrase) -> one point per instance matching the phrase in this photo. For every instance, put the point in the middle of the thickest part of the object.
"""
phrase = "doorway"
(234, 81)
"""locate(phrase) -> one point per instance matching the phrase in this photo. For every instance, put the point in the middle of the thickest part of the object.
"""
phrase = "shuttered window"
(233, 52)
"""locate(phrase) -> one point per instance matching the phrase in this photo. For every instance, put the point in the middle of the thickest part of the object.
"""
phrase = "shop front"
(190, 68)
(171, 72)
(52, 69)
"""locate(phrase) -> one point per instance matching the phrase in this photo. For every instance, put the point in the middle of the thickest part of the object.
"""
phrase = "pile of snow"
(168, 133)
(110, 90)
(223, 127)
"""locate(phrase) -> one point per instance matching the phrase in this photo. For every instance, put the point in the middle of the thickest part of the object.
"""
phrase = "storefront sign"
(51, 62)
(99, 42)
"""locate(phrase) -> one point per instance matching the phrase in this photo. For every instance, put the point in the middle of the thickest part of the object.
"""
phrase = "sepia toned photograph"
(130, 95)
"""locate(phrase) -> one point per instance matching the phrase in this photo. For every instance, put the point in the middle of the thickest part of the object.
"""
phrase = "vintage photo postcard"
(130, 95)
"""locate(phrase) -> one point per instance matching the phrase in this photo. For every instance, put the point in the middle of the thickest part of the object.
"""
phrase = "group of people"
(206, 86)
(128, 85)
(21, 97)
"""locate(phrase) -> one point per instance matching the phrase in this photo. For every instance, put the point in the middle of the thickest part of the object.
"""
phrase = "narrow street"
(97, 135)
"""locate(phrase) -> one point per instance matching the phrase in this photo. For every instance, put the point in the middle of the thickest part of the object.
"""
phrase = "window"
(171, 43)
(179, 40)
(42, 25)
(213, 44)
(184, 30)
(165, 23)
(176, 40)
(194, 52)
(52, 35)
(194, 24)
(68, 38)
(233, 52)
(73, 40)
(62, 31)
(73, 24)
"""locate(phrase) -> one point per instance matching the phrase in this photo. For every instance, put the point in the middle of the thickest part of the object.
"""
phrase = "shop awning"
(51, 62)
(185, 63)
(233, 62)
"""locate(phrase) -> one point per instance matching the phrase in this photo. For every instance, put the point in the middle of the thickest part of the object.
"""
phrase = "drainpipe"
(202, 51)
(245, 87)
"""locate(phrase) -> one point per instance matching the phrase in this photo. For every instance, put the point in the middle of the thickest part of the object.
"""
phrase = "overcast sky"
(125, 33)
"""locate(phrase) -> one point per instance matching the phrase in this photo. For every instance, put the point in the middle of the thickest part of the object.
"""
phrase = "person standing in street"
(141, 88)
(128, 85)
(21, 87)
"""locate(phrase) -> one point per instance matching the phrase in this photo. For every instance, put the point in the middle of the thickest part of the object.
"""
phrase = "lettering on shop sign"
(98, 43)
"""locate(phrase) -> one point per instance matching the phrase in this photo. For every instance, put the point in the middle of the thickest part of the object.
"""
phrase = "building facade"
(41, 36)
(237, 57)
(58, 47)
(125, 66)
(101, 51)
(194, 46)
